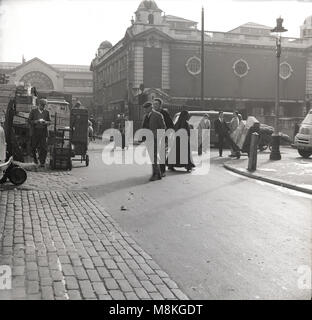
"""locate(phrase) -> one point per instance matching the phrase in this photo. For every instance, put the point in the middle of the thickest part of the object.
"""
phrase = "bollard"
(252, 160)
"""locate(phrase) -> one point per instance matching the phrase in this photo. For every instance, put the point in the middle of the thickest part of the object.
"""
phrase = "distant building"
(72, 79)
(159, 55)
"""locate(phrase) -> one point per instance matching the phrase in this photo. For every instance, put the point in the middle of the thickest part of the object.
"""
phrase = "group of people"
(224, 132)
(157, 118)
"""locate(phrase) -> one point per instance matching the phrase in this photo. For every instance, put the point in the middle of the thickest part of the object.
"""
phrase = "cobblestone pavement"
(62, 244)
(45, 179)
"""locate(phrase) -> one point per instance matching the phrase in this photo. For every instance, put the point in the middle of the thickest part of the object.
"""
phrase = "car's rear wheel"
(305, 154)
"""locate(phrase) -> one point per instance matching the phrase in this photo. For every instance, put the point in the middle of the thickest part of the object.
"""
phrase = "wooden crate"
(22, 107)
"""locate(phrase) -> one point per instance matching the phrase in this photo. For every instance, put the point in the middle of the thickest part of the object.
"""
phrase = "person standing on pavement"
(222, 130)
(153, 121)
(39, 119)
(182, 145)
(203, 124)
(233, 126)
(158, 106)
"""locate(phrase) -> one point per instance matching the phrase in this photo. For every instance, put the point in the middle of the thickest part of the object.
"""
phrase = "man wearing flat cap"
(39, 119)
(153, 120)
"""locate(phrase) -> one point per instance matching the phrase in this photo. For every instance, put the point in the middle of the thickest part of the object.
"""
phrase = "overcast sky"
(70, 31)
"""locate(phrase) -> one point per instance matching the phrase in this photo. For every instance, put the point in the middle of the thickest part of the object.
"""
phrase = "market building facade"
(69, 79)
(159, 55)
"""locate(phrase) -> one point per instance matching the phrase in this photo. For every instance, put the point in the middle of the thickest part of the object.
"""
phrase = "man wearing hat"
(153, 120)
(39, 119)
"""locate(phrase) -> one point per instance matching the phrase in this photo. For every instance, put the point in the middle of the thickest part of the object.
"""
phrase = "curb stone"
(268, 180)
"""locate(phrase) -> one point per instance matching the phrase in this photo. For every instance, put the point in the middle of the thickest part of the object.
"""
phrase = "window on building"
(285, 70)
(150, 19)
(240, 68)
(193, 65)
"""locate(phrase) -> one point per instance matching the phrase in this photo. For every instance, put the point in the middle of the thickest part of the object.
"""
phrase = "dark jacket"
(38, 128)
(167, 118)
(221, 128)
(154, 121)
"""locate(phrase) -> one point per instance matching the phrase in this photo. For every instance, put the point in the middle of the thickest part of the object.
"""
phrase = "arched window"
(38, 79)
(150, 19)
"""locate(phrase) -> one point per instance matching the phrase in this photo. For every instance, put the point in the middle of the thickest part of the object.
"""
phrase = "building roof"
(71, 67)
(253, 25)
(59, 67)
(178, 19)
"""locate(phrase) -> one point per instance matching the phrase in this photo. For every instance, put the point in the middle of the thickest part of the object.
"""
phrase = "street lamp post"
(275, 153)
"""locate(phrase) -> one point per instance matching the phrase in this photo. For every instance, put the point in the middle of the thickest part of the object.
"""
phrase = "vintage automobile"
(196, 116)
(303, 139)
(265, 140)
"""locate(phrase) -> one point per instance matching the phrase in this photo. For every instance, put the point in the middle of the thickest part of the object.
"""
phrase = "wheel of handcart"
(87, 160)
(17, 175)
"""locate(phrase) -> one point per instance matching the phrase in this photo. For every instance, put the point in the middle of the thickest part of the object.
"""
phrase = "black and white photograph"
(155, 150)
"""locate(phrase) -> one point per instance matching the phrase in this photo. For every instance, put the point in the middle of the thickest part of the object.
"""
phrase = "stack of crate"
(61, 151)
(7, 92)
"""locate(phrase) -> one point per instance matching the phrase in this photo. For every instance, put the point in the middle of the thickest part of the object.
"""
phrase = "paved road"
(219, 236)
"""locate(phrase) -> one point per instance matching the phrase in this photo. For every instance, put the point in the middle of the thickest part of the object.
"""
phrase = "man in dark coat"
(223, 132)
(39, 119)
(153, 121)
(158, 106)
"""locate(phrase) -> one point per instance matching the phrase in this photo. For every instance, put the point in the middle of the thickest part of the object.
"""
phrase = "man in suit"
(223, 132)
(233, 126)
(39, 119)
(158, 106)
(153, 121)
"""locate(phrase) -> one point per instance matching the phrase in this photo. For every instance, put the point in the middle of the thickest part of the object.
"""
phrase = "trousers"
(39, 143)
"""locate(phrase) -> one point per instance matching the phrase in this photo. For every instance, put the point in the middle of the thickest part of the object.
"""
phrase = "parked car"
(265, 139)
(265, 130)
(303, 139)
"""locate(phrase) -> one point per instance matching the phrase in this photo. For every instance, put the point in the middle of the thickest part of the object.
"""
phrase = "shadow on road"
(116, 185)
